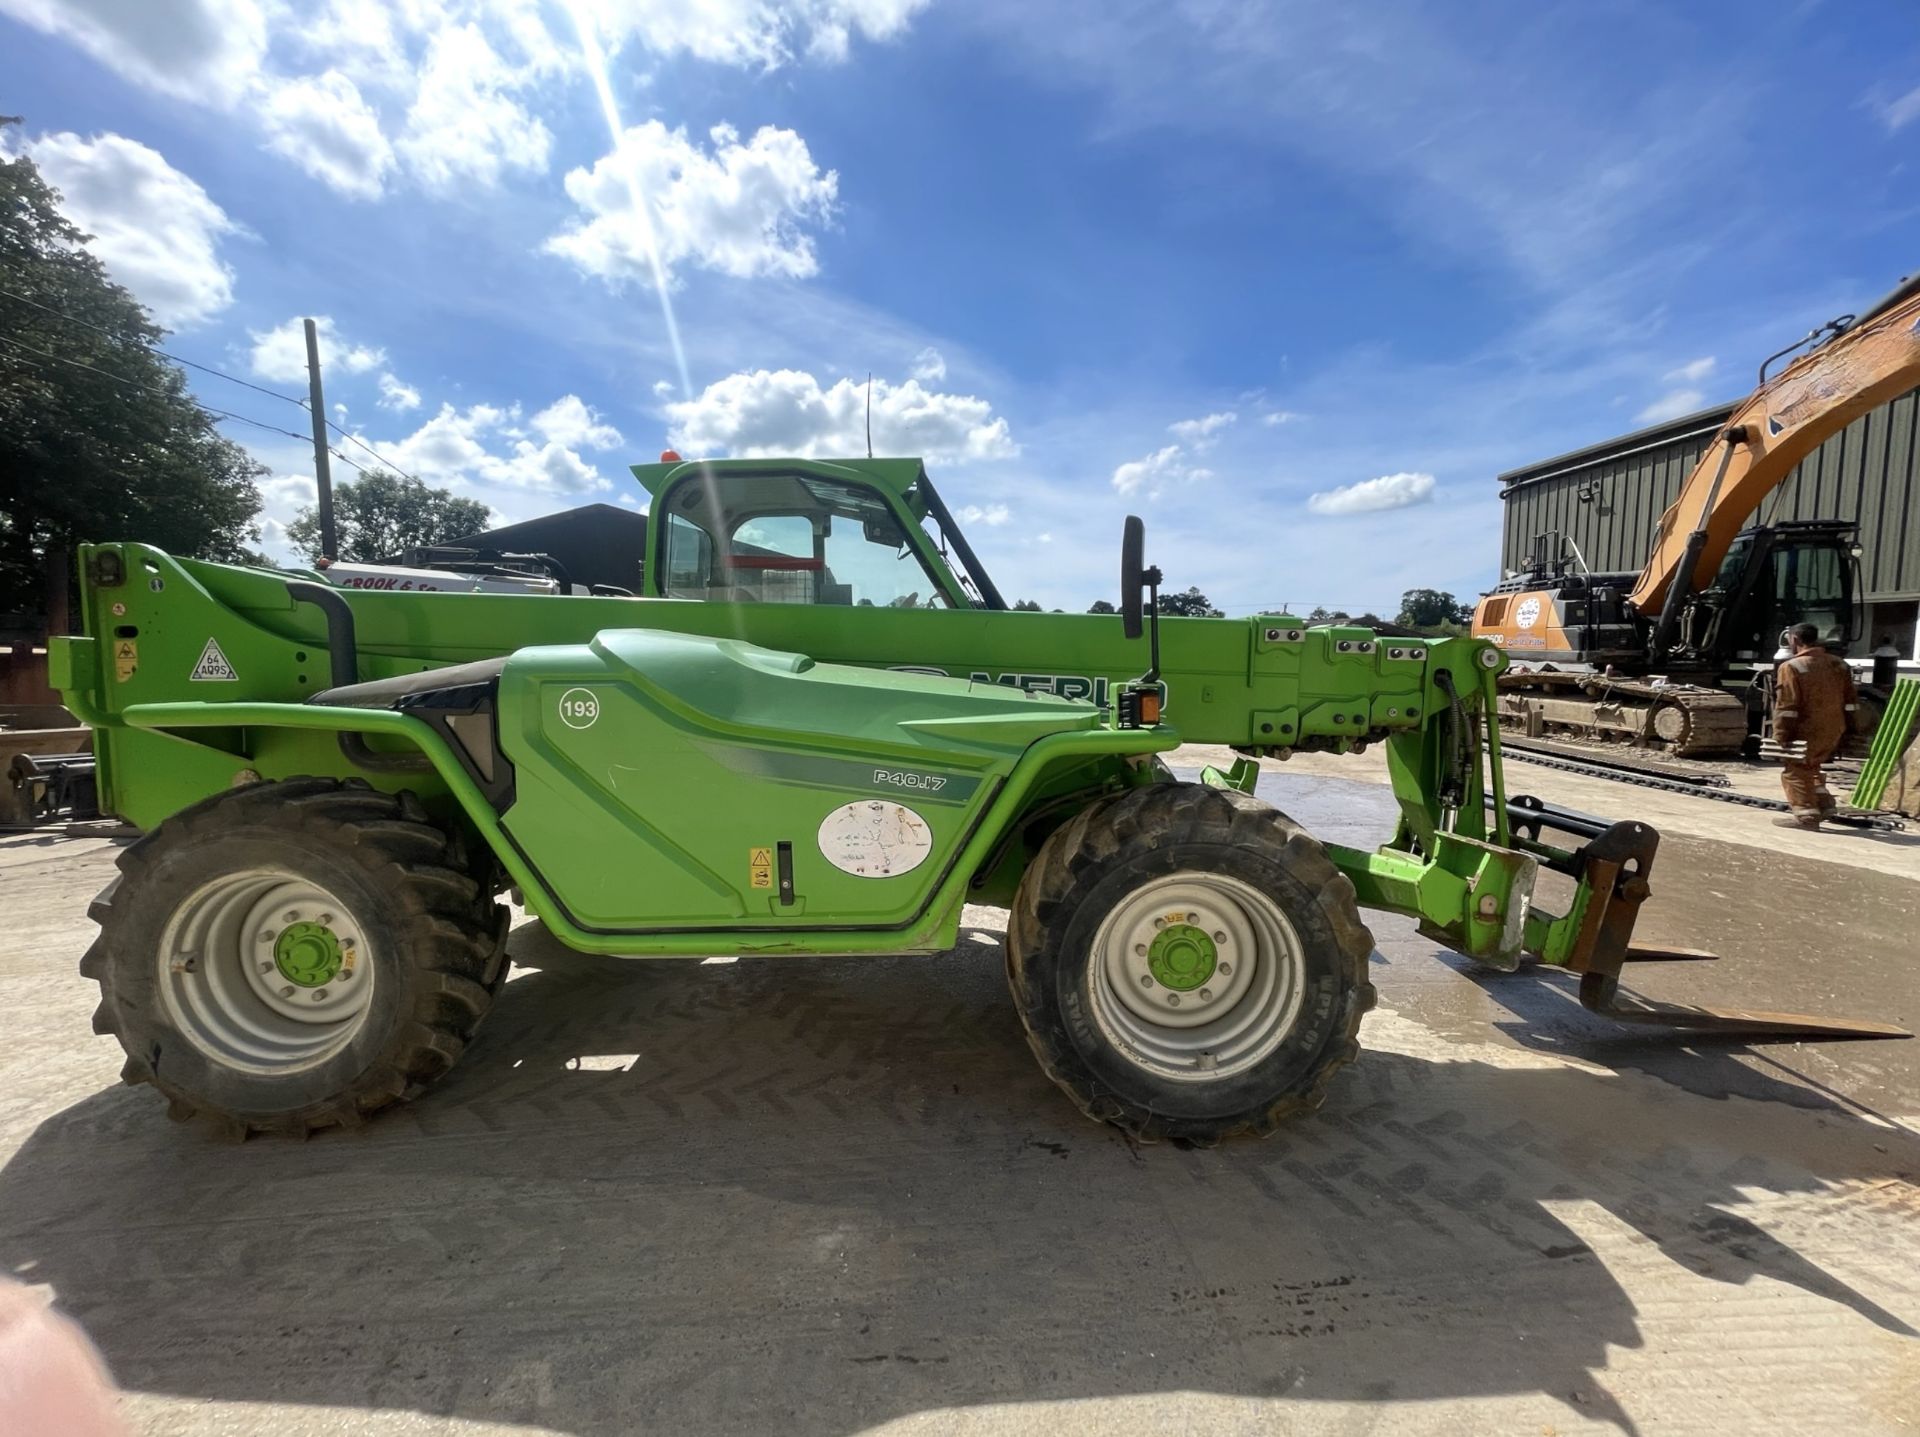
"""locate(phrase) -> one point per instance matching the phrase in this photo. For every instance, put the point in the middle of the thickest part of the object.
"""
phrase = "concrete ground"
(837, 1196)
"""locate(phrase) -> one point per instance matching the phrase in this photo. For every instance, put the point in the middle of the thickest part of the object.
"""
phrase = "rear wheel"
(295, 955)
(1188, 964)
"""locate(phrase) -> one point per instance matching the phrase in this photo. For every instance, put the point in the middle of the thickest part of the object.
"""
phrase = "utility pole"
(322, 471)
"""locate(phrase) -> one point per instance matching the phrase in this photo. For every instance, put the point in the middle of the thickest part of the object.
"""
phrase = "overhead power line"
(294, 400)
(164, 353)
(8, 339)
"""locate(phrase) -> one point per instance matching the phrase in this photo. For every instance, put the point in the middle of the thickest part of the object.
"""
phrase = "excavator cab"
(1775, 576)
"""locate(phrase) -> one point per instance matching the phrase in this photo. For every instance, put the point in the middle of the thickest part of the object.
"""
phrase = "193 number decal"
(579, 708)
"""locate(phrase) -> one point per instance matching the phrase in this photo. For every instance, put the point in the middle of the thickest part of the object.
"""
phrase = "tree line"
(1434, 610)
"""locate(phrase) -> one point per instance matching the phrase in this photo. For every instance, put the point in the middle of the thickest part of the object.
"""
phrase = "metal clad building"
(1609, 497)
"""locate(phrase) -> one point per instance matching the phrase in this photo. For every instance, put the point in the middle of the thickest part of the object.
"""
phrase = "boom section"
(1781, 423)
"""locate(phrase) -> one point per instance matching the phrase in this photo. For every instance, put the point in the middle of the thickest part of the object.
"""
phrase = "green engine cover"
(672, 782)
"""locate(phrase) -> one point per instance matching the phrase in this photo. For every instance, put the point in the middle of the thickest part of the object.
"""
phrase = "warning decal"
(213, 667)
(760, 867)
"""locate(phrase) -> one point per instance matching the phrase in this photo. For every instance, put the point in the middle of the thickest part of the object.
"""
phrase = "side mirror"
(1133, 544)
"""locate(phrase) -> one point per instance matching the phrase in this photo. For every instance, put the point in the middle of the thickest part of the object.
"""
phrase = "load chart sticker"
(875, 838)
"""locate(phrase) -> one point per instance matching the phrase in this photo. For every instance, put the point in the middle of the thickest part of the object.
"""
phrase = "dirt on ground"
(827, 1196)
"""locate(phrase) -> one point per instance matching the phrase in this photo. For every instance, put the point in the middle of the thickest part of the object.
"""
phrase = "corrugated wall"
(1870, 471)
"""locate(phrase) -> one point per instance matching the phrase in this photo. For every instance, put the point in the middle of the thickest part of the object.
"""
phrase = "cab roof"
(897, 475)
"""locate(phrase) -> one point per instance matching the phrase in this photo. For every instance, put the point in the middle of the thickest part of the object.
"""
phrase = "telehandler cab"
(809, 759)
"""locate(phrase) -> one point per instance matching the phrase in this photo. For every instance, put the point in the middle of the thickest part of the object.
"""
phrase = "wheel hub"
(1181, 957)
(266, 972)
(1196, 976)
(307, 954)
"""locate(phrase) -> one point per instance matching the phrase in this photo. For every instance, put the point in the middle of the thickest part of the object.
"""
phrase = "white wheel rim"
(1232, 1015)
(230, 983)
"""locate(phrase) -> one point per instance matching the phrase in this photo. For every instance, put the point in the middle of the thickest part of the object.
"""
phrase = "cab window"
(1811, 587)
(791, 539)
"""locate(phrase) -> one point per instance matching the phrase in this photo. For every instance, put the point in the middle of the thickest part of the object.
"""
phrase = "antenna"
(869, 414)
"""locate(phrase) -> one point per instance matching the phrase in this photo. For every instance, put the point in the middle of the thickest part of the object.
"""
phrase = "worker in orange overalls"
(1813, 703)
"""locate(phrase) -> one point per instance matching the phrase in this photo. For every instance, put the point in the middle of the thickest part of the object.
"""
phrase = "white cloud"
(156, 230)
(281, 352)
(786, 411)
(481, 445)
(457, 82)
(663, 388)
(397, 394)
(737, 208)
(1372, 496)
(762, 33)
(1897, 114)
(1154, 473)
(929, 366)
(1692, 372)
(205, 50)
(570, 422)
(1672, 405)
(1201, 434)
(325, 126)
(465, 126)
(993, 515)
(1280, 416)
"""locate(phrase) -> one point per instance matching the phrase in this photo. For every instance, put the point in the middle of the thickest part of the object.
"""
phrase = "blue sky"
(1292, 281)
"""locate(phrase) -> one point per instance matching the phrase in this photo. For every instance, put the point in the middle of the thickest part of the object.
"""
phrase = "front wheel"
(294, 955)
(1188, 964)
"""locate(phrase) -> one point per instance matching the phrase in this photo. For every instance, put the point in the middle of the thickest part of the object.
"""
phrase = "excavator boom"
(1876, 360)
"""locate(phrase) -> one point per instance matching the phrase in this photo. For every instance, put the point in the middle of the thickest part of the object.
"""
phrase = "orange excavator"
(1647, 659)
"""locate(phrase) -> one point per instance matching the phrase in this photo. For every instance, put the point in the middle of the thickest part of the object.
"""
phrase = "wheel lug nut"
(266, 967)
(1173, 1000)
(1146, 980)
(320, 995)
(1219, 938)
(326, 919)
(1225, 969)
(266, 935)
(1206, 995)
(293, 915)
(1159, 923)
(1193, 918)
(287, 992)
(1140, 949)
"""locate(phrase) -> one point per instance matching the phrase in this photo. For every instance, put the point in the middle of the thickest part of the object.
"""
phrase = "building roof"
(1653, 436)
(598, 543)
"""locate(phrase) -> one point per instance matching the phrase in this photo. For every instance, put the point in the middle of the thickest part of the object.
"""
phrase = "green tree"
(1192, 605)
(1101, 606)
(1433, 609)
(99, 437)
(1026, 606)
(379, 515)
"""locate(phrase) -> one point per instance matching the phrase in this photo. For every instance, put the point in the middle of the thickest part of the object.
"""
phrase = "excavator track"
(1883, 822)
(1679, 720)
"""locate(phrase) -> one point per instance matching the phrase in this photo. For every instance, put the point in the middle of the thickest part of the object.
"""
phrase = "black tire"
(420, 897)
(1094, 864)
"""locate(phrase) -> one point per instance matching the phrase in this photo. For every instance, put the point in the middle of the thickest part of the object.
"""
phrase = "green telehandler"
(818, 731)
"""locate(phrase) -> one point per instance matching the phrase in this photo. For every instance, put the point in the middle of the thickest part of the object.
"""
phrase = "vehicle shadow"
(811, 1195)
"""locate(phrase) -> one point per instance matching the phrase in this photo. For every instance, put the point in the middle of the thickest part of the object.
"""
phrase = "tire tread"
(1171, 813)
(454, 936)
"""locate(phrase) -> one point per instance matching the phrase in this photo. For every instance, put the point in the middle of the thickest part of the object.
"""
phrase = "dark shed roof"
(598, 543)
